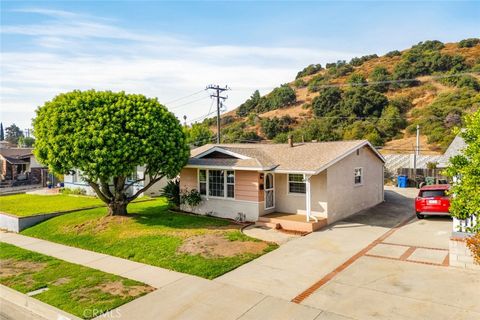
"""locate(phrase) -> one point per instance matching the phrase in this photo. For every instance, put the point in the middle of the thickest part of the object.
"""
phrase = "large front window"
(216, 183)
(296, 183)
(219, 183)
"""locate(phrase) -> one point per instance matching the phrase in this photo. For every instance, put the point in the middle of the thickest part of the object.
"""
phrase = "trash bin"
(402, 181)
(429, 180)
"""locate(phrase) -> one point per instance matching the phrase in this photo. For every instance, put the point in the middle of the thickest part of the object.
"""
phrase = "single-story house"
(18, 165)
(75, 181)
(325, 180)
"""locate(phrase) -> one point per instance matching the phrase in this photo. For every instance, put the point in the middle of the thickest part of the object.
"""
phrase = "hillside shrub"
(363, 102)
(317, 82)
(308, 70)
(328, 100)
(468, 43)
(359, 61)
(272, 127)
(381, 76)
(249, 105)
(393, 53)
(435, 119)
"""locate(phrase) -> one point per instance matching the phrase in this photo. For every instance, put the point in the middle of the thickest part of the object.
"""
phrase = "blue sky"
(172, 49)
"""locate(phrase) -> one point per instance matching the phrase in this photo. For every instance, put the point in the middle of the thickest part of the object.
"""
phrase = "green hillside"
(379, 98)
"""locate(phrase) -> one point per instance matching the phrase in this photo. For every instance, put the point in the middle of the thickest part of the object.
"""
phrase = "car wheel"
(420, 216)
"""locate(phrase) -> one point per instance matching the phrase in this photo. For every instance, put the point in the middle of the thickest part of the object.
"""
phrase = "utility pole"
(27, 132)
(218, 90)
(416, 154)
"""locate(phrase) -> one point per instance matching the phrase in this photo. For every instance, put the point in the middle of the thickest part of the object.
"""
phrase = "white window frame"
(288, 185)
(362, 174)
(225, 183)
(206, 181)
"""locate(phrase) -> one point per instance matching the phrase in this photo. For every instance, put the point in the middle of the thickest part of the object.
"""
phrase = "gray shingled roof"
(302, 157)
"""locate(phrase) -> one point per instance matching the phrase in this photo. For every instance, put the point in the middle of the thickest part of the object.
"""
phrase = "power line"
(187, 103)
(184, 97)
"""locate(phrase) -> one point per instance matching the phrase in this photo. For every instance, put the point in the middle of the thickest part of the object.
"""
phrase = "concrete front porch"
(291, 222)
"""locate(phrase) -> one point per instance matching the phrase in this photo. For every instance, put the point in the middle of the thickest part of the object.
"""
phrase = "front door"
(269, 191)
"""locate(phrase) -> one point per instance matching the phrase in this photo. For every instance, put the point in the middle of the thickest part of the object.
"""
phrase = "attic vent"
(358, 152)
(218, 155)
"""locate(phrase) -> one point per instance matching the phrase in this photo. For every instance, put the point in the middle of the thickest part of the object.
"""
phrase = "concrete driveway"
(370, 267)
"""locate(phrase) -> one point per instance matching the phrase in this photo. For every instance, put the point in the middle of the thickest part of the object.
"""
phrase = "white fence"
(396, 161)
(465, 225)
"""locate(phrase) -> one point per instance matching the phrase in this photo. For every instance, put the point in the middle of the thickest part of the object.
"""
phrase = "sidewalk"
(154, 276)
(179, 296)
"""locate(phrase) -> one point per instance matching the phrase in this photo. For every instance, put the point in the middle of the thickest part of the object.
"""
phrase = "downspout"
(308, 196)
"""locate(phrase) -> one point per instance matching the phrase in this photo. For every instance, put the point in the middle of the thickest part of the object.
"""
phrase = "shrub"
(393, 53)
(299, 83)
(359, 61)
(271, 127)
(328, 100)
(357, 79)
(435, 118)
(282, 96)
(74, 191)
(308, 70)
(191, 198)
(381, 76)
(317, 82)
(363, 102)
(469, 43)
(171, 191)
(473, 243)
(248, 106)
(391, 122)
(339, 68)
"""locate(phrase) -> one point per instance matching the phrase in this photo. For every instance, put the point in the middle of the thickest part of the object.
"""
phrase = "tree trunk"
(117, 208)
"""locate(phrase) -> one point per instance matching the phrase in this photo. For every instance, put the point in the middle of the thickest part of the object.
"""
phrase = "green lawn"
(152, 234)
(73, 288)
(23, 205)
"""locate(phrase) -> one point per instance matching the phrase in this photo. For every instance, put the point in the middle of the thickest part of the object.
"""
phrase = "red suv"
(432, 200)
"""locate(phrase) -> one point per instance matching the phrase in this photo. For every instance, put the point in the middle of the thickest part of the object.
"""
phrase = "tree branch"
(149, 184)
(106, 189)
(99, 193)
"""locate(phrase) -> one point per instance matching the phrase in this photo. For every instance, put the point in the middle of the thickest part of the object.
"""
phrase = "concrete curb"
(33, 305)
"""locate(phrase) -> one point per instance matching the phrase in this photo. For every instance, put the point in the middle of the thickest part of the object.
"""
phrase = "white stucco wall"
(346, 198)
(227, 208)
(296, 203)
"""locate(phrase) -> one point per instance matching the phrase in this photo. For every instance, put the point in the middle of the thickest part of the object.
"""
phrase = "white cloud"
(75, 51)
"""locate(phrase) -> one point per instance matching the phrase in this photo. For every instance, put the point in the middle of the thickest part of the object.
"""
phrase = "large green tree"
(106, 135)
(13, 133)
(199, 134)
(466, 191)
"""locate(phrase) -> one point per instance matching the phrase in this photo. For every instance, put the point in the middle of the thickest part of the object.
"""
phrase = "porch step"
(287, 223)
(271, 225)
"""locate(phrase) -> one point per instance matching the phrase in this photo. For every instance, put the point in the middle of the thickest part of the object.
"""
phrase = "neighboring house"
(75, 181)
(19, 166)
(454, 149)
(327, 180)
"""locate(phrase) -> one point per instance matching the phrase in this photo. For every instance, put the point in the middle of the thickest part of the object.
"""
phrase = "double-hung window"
(202, 182)
(230, 184)
(217, 183)
(296, 183)
(358, 176)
